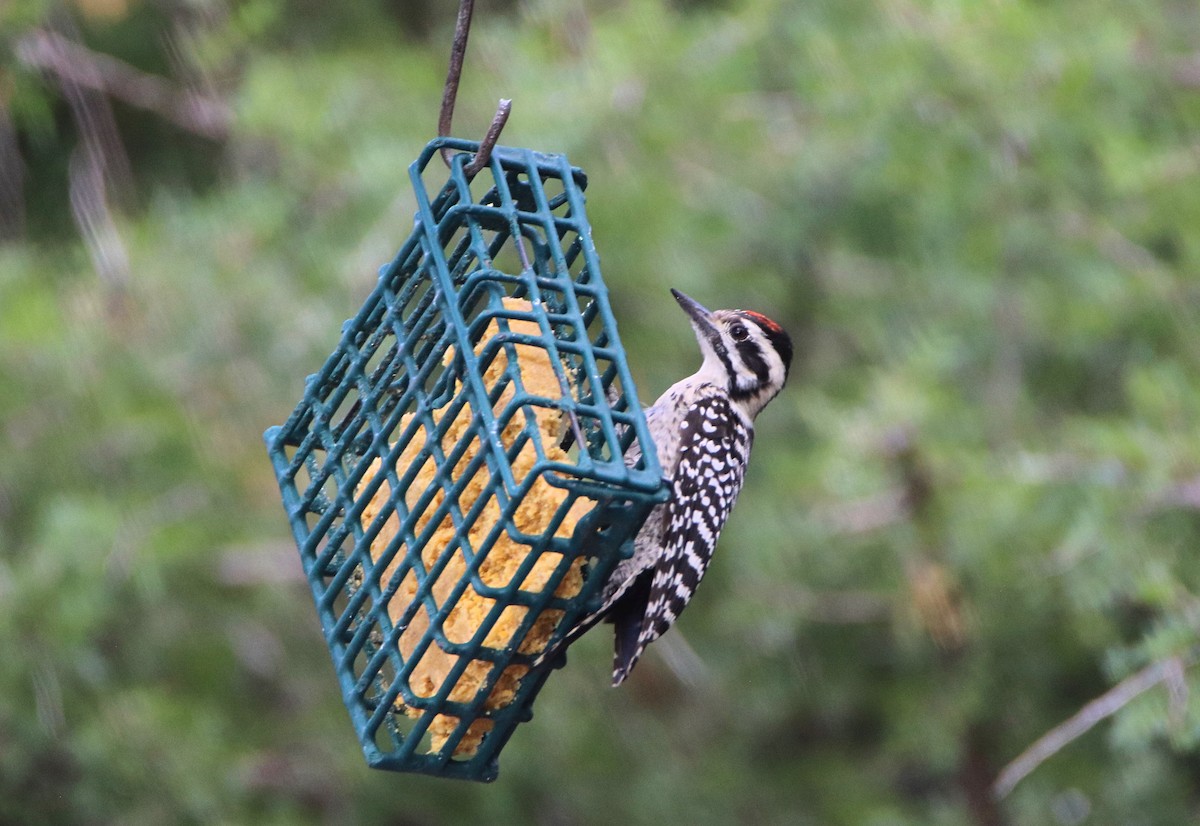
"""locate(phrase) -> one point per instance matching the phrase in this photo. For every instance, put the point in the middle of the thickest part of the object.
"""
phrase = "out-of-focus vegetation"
(975, 510)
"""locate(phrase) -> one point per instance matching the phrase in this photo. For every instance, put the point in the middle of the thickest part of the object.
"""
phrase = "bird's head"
(744, 351)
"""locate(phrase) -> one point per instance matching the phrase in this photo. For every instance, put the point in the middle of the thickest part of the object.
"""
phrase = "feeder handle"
(458, 50)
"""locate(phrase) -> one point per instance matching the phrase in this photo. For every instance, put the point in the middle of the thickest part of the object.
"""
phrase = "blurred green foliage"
(975, 509)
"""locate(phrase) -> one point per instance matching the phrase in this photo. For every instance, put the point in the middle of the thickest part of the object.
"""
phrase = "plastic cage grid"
(415, 359)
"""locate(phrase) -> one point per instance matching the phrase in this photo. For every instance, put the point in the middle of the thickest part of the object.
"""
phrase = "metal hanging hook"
(458, 50)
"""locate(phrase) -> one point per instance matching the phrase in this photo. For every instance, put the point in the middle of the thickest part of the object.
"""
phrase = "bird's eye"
(739, 332)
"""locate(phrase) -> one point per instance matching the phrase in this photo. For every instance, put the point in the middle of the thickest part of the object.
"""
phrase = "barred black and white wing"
(714, 445)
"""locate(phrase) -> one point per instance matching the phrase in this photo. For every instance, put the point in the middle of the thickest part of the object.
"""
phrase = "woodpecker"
(702, 428)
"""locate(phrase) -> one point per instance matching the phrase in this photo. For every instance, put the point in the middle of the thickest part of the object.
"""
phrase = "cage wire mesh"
(455, 476)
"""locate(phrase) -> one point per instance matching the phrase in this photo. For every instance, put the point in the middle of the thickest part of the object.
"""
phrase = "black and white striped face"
(744, 351)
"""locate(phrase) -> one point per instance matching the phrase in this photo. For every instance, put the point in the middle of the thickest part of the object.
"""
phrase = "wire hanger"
(458, 50)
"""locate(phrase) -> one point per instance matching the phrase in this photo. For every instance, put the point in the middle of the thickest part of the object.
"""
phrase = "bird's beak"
(702, 318)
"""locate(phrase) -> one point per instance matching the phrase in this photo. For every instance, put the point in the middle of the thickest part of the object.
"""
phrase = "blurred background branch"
(75, 65)
(1169, 672)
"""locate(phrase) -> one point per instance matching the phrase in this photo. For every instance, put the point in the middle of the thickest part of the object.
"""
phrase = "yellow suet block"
(532, 516)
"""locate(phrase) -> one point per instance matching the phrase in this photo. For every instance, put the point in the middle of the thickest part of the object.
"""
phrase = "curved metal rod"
(458, 50)
(489, 139)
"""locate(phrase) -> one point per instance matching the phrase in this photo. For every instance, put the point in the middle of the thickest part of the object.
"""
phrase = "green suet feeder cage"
(455, 474)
